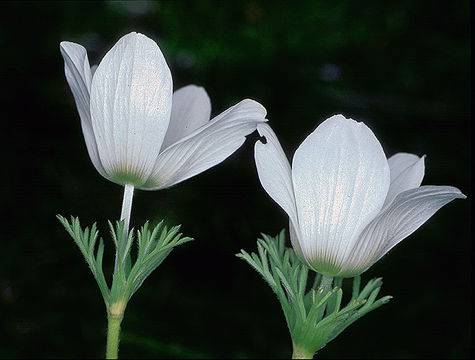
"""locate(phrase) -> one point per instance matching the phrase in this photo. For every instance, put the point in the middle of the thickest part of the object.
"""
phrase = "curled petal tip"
(249, 102)
(65, 43)
(454, 191)
(461, 195)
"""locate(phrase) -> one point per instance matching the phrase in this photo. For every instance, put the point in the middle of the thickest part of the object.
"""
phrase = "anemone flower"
(137, 132)
(347, 204)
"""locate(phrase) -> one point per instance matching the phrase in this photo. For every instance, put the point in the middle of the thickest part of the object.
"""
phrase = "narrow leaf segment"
(313, 310)
(153, 246)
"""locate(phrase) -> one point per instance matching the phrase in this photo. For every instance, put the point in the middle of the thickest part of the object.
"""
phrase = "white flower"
(347, 204)
(136, 131)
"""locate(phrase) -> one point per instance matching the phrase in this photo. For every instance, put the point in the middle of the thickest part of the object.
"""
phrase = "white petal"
(407, 172)
(409, 210)
(206, 146)
(295, 240)
(131, 97)
(275, 174)
(341, 178)
(78, 75)
(191, 109)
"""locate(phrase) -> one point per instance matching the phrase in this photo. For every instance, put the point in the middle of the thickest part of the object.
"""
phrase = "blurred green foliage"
(402, 67)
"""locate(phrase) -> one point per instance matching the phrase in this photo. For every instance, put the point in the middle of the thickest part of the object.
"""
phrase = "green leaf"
(86, 241)
(151, 252)
(153, 247)
(318, 316)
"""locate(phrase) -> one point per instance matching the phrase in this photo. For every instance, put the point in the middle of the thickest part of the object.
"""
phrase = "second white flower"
(347, 204)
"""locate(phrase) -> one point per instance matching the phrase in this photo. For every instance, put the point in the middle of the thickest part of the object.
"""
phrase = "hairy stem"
(113, 331)
(326, 283)
(116, 309)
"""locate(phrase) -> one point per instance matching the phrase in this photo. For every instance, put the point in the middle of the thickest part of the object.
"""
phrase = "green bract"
(153, 246)
(314, 316)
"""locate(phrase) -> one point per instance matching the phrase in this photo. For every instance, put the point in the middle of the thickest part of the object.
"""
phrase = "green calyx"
(330, 269)
(324, 268)
(125, 177)
(317, 315)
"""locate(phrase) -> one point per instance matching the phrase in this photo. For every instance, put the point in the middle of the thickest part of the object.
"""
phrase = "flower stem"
(117, 308)
(127, 206)
(116, 313)
(113, 330)
(326, 283)
(114, 318)
(125, 216)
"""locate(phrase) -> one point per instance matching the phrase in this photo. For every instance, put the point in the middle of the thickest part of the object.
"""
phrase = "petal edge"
(275, 174)
(191, 109)
(207, 146)
(409, 210)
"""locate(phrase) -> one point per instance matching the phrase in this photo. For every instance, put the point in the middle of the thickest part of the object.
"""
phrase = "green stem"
(326, 283)
(113, 331)
(115, 315)
(116, 310)
(301, 353)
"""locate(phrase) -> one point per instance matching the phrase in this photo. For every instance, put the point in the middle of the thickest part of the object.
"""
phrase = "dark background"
(401, 67)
